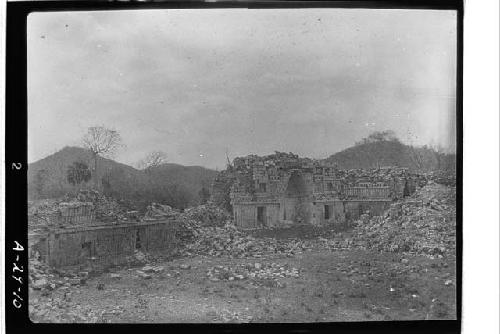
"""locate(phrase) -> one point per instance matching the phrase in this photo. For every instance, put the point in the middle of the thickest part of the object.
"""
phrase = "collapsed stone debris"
(157, 211)
(87, 208)
(256, 272)
(423, 224)
(229, 241)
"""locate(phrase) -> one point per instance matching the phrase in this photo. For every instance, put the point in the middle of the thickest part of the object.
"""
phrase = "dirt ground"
(331, 286)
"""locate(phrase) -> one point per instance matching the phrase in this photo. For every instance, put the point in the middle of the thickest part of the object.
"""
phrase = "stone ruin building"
(70, 234)
(282, 189)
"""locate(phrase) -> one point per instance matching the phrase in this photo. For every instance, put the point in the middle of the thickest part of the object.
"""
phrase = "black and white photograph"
(242, 165)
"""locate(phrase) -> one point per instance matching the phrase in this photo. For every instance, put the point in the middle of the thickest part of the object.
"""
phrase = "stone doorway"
(296, 201)
(261, 215)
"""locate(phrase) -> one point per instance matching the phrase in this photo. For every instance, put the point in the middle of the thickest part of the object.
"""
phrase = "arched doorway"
(296, 200)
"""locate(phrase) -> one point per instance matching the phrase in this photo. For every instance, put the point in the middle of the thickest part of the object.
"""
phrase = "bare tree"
(101, 141)
(153, 159)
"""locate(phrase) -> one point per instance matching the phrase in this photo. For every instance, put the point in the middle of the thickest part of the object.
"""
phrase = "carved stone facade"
(283, 189)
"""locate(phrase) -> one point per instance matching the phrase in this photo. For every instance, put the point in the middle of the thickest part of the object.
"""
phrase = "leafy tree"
(78, 173)
(378, 136)
(101, 141)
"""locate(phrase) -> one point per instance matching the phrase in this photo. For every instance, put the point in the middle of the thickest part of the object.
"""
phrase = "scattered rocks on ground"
(228, 316)
(144, 275)
(229, 241)
(252, 271)
(152, 269)
(139, 258)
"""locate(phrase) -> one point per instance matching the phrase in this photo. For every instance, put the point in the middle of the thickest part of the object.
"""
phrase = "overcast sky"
(195, 83)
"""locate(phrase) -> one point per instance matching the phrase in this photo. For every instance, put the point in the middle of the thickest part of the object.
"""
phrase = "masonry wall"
(289, 209)
(108, 245)
(364, 192)
(272, 215)
(159, 237)
(245, 215)
(336, 213)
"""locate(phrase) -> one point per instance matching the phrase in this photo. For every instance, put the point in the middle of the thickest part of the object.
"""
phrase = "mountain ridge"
(392, 153)
(47, 178)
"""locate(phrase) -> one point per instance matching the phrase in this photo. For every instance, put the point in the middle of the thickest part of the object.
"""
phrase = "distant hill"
(172, 184)
(392, 153)
(192, 177)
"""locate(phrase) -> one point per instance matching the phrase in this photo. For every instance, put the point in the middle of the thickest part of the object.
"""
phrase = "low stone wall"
(77, 213)
(104, 245)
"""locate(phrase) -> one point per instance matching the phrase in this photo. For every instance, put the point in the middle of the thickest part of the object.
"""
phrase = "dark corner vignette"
(16, 241)
(16, 173)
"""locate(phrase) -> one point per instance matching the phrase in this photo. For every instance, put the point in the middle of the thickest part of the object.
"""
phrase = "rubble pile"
(48, 213)
(229, 241)
(41, 277)
(139, 258)
(186, 231)
(43, 214)
(60, 308)
(253, 271)
(157, 211)
(147, 271)
(447, 178)
(207, 215)
(231, 316)
(335, 243)
(280, 159)
(383, 174)
(57, 310)
(46, 206)
(423, 224)
(107, 209)
(199, 217)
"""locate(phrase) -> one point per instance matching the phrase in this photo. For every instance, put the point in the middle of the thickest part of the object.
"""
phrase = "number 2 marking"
(17, 165)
